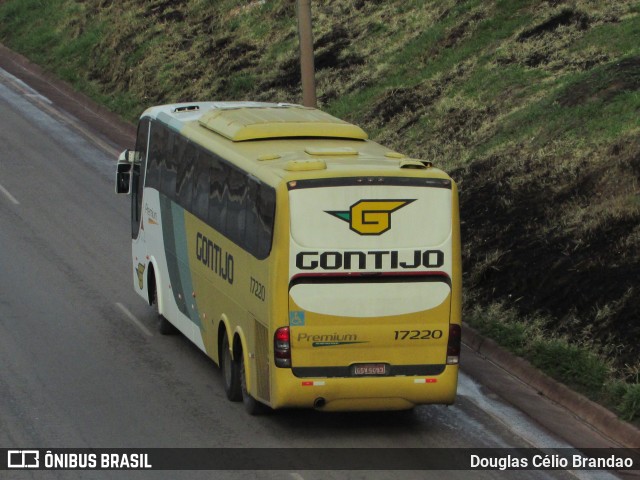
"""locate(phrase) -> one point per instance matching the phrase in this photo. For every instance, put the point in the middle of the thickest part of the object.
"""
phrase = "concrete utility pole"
(306, 54)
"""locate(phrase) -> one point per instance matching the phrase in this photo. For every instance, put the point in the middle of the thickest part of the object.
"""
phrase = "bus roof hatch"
(252, 123)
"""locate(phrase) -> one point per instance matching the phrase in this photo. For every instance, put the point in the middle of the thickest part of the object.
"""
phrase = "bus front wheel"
(165, 327)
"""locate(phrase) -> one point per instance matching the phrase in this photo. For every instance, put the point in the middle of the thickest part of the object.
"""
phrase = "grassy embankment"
(532, 106)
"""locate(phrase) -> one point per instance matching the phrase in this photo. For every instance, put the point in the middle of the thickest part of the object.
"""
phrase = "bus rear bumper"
(367, 393)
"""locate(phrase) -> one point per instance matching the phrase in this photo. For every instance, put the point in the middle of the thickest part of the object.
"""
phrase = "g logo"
(371, 217)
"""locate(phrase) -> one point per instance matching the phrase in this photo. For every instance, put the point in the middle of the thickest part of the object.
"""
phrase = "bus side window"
(266, 206)
(188, 155)
(137, 175)
(250, 206)
(169, 170)
(154, 162)
(217, 207)
(201, 186)
(234, 201)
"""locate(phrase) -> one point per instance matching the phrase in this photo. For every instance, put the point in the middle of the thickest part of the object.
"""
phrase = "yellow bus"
(317, 268)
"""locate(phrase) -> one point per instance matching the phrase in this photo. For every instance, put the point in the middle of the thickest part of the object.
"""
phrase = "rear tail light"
(282, 347)
(453, 346)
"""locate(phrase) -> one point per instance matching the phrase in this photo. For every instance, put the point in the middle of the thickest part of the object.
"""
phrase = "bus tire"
(230, 372)
(165, 327)
(251, 405)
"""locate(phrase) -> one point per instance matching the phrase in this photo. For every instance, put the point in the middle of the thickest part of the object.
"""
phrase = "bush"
(574, 365)
(630, 406)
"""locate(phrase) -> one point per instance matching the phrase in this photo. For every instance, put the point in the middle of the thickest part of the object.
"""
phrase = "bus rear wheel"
(230, 372)
(251, 405)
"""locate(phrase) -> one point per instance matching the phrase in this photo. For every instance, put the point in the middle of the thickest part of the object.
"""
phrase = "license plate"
(370, 369)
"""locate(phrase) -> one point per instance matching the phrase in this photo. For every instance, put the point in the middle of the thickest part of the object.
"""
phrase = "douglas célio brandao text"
(551, 461)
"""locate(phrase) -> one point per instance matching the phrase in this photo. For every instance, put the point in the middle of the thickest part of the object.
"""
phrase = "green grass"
(577, 365)
(240, 84)
(619, 38)
(489, 83)
(28, 25)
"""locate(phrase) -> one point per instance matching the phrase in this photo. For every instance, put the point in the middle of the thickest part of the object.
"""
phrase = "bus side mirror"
(123, 172)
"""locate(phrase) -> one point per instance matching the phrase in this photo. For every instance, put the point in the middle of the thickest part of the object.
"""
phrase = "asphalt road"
(83, 366)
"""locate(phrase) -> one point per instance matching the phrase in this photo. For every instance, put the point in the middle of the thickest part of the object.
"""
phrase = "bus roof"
(285, 138)
(242, 121)
(254, 123)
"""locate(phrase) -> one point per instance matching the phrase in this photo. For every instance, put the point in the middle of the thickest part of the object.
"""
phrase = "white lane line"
(134, 320)
(9, 196)
(296, 476)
